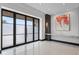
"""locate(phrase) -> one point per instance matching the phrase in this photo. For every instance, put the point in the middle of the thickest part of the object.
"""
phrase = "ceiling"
(53, 8)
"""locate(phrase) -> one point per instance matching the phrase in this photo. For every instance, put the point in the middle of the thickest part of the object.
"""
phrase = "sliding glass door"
(36, 32)
(7, 29)
(20, 29)
(29, 23)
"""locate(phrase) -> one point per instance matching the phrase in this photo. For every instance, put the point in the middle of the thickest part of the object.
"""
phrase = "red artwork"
(63, 21)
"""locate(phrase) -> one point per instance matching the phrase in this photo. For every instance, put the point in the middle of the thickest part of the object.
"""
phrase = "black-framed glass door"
(20, 29)
(7, 29)
(17, 29)
(36, 29)
(29, 23)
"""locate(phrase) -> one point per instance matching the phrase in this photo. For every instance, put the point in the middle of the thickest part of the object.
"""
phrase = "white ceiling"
(53, 8)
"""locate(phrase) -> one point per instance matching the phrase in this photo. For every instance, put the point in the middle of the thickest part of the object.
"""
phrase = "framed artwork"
(63, 22)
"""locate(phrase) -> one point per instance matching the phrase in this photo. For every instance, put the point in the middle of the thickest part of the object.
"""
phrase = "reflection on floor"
(43, 48)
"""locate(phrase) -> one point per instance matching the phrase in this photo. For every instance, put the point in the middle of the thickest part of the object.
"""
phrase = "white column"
(42, 28)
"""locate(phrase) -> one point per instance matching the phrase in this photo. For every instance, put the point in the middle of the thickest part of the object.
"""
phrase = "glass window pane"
(20, 39)
(7, 41)
(29, 37)
(7, 29)
(20, 22)
(36, 36)
(29, 22)
(8, 21)
(20, 25)
(36, 25)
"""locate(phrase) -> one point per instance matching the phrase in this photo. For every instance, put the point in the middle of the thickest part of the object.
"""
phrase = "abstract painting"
(63, 22)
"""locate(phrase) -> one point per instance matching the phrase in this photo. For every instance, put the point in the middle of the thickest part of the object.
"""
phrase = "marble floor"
(43, 48)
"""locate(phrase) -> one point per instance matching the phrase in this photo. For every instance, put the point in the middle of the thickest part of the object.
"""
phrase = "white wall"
(28, 10)
(70, 36)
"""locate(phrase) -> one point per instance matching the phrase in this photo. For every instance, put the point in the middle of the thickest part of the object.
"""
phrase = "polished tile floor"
(43, 48)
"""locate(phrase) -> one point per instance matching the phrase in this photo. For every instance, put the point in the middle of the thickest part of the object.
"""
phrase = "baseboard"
(64, 42)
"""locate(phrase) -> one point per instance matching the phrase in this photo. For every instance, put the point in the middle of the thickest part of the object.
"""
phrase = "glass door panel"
(20, 29)
(7, 25)
(35, 29)
(29, 29)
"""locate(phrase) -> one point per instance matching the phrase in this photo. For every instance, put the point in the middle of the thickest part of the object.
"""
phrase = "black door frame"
(14, 29)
